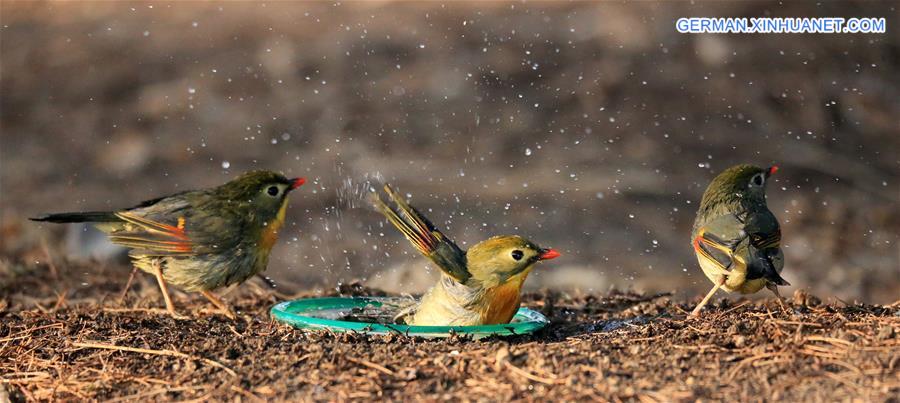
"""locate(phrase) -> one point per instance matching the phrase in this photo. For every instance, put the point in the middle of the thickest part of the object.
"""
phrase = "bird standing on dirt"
(735, 236)
(200, 240)
(480, 286)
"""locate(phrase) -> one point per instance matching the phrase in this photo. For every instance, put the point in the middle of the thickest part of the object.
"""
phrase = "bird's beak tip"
(297, 182)
(549, 254)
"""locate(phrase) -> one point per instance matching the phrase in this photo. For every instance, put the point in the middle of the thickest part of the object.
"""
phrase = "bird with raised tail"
(481, 286)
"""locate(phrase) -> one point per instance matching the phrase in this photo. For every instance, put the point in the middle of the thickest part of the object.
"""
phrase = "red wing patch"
(153, 236)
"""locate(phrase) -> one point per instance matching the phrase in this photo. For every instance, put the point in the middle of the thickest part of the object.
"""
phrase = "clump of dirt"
(72, 337)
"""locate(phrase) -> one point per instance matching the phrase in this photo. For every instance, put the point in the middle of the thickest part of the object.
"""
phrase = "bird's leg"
(696, 312)
(778, 297)
(157, 270)
(222, 305)
(134, 270)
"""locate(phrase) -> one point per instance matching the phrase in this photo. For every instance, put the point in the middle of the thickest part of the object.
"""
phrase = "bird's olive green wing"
(719, 239)
(424, 236)
(181, 225)
(744, 237)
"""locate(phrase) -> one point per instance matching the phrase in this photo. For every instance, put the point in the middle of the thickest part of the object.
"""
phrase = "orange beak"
(548, 254)
(772, 170)
(297, 182)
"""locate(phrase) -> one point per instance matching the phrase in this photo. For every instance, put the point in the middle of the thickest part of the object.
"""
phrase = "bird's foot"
(176, 315)
(229, 313)
(778, 298)
(696, 312)
(222, 306)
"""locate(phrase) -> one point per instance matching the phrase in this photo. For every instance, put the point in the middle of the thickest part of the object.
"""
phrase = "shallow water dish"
(324, 314)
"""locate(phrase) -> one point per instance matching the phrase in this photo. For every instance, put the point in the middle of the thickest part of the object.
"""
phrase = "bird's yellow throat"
(270, 232)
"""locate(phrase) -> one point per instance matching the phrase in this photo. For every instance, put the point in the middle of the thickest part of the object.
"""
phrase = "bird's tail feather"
(415, 227)
(770, 272)
(89, 216)
(776, 278)
(423, 235)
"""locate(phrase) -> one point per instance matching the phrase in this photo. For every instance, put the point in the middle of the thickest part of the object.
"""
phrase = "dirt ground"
(62, 339)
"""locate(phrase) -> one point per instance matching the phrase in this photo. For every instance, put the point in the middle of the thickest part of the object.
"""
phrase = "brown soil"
(66, 335)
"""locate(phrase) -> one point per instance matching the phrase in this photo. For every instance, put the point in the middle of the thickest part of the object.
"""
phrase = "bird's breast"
(501, 302)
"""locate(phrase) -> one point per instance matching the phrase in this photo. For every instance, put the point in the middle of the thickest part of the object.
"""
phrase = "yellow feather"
(270, 232)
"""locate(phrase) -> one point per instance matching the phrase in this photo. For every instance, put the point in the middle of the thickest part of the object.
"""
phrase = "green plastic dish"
(319, 313)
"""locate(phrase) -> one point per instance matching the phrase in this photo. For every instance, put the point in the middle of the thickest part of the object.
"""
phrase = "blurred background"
(591, 128)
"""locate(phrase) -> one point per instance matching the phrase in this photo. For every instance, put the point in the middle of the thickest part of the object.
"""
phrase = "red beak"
(297, 182)
(549, 254)
(772, 170)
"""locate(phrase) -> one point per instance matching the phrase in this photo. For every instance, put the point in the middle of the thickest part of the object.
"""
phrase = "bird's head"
(740, 182)
(496, 260)
(265, 191)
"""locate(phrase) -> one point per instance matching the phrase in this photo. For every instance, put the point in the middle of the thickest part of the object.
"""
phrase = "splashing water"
(355, 193)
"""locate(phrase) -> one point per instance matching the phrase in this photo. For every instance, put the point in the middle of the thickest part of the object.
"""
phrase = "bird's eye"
(517, 254)
(758, 180)
(272, 190)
